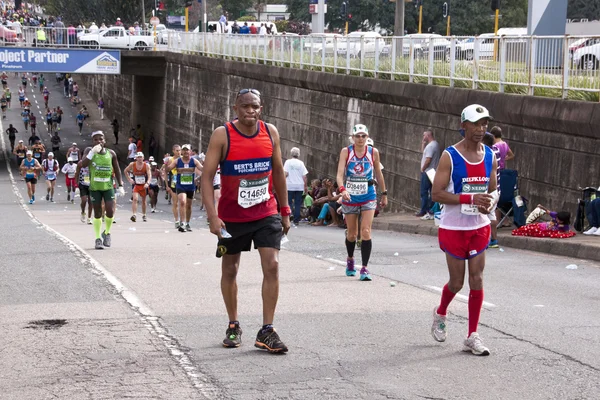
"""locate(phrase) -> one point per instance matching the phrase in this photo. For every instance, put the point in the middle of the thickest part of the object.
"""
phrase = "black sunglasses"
(245, 91)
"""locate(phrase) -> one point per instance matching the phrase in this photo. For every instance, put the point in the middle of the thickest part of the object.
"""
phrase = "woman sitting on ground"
(558, 227)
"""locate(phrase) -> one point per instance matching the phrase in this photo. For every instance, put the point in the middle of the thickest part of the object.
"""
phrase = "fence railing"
(553, 66)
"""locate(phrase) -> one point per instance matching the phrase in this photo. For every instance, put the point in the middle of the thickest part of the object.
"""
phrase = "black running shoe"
(269, 340)
(233, 336)
(181, 228)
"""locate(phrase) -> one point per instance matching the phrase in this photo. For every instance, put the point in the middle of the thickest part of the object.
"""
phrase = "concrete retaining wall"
(555, 141)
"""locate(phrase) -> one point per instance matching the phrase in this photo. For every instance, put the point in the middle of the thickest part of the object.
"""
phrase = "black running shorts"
(266, 232)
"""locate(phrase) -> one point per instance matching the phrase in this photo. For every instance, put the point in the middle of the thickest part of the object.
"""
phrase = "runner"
(38, 151)
(359, 166)
(70, 170)
(171, 178)
(155, 183)
(30, 167)
(50, 167)
(84, 191)
(80, 118)
(103, 163)
(24, 80)
(74, 153)
(3, 105)
(59, 113)
(8, 95)
(4, 80)
(12, 136)
(19, 152)
(252, 170)
(49, 121)
(55, 141)
(32, 122)
(138, 174)
(41, 83)
(25, 117)
(185, 188)
(34, 78)
(465, 182)
(46, 94)
(21, 96)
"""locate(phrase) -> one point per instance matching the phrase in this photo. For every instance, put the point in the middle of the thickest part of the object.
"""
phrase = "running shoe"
(68, 196)
(48, 197)
(153, 210)
(591, 231)
(365, 275)
(99, 245)
(89, 222)
(427, 217)
(133, 218)
(269, 340)
(188, 228)
(177, 224)
(33, 197)
(474, 344)
(30, 201)
(51, 199)
(72, 201)
(358, 243)
(83, 217)
(439, 331)
(181, 228)
(350, 271)
(144, 218)
(166, 196)
(106, 239)
(493, 243)
(233, 336)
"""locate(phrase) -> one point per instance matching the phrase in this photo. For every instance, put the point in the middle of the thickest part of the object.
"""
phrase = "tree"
(578, 9)
(107, 11)
(236, 8)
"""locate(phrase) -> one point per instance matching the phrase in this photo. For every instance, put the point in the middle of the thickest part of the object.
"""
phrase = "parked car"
(7, 35)
(418, 43)
(372, 42)
(163, 34)
(465, 49)
(587, 57)
(315, 41)
(117, 37)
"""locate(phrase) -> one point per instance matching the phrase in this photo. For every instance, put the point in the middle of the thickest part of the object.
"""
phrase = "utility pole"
(420, 4)
(144, 15)
(399, 26)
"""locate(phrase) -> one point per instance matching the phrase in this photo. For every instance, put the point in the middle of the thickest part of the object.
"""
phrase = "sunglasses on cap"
(245, 91)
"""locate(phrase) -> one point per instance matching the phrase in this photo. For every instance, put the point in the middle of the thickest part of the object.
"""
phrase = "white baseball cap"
(474, 113)
(150, 158)
(70, 159)
(74, 144)
(360, 128)
(51, 154)
(29, 152)
(139, 154)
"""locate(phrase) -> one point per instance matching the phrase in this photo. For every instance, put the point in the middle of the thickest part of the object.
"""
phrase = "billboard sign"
(60, 60)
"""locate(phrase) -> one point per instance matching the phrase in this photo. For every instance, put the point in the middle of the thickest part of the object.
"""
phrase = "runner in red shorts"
(465, 182)
(69, 169)
(139, 175)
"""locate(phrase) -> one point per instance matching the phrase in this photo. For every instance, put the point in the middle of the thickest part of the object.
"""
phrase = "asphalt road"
(347, 339)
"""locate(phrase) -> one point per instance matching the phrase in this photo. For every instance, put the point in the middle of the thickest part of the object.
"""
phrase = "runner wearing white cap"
(30, 167)
(51, 168)
(465, 182)
(138, 174)
(69, 169)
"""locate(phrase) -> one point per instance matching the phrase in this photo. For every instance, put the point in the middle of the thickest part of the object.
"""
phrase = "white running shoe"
(597, 233)
(439, 331)
(591, 231)
(474, 344)
(83, 217)
(427, 217)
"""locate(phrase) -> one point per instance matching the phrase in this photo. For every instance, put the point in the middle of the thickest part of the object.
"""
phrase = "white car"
(372, 43)
(465, 49)
(163, 34)
(314, 41)
(116, 37)
(588, 57)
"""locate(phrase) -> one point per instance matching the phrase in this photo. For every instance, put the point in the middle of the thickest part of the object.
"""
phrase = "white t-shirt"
(132, 148)
(296, 172)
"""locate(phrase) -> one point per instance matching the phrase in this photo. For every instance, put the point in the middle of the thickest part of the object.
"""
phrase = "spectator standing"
(131, 150)
(593, 215)
(262, 30)
(93, 28)
(152, 146)
(59, 29)
(245, 30)
(431, 157)
(72, 33)
(118, 23)
(101, 107)
(504, 151)
(115, 125)
(297, 184)
(235, 28)
(253, 29)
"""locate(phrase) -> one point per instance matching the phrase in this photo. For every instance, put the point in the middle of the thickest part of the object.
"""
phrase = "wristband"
(384, 193)
(342, 189)
(465, 199)
(286, 211)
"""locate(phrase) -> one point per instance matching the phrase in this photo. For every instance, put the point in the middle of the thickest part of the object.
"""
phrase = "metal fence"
(553, 66)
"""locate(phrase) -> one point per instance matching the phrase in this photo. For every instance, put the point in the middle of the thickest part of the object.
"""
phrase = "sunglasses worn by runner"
(363, 136)
(245, 91)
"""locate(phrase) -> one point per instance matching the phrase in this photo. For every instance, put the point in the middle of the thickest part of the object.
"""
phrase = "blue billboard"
(60, 60)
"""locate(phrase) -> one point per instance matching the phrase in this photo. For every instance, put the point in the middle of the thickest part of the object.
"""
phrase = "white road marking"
(333, 260)
(458, 296)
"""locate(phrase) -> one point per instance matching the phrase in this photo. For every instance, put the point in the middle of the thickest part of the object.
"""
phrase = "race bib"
(30, 173)
(357, 186)
(71, 175)
(86, 180)
(154, 182)
(75, 156)
(187, 179)
(472, 188)
(36, 155)
(50, 175)
(140, 179)
(253, 192)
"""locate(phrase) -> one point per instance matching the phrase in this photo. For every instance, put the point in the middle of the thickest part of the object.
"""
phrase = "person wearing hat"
(74, 152)
(70, 169)
(102, 163)
(50, 167)
(83, 176)
(465, 182)
(19, 151)
(155, 183)
(185, 188)
(30, 168)
(138, 174)
(118, 23)
(358, 169)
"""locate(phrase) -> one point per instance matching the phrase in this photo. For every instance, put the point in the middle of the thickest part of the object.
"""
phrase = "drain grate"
(47, 324)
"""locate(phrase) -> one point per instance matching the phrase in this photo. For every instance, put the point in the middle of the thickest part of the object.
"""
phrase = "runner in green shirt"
(102, 162)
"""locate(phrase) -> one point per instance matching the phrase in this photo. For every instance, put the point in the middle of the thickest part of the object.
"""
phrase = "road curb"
(558, 247)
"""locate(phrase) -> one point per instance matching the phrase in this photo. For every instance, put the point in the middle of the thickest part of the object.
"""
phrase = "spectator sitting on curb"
(329, 209)
(559, 227)
(593, 214)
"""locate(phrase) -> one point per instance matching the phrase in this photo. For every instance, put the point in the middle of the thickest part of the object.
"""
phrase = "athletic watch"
(384, 193)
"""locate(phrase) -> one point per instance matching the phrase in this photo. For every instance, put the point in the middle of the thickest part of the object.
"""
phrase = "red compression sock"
(475, 303)
(447, 297)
